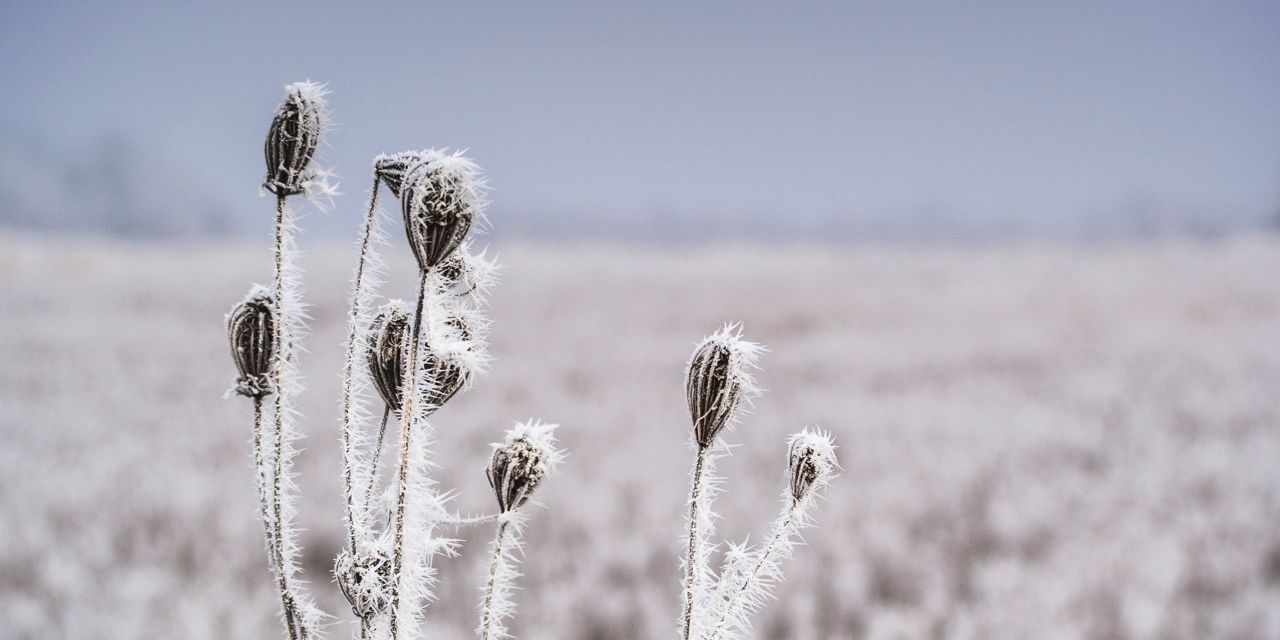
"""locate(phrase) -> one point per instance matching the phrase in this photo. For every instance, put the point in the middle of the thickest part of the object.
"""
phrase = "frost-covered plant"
(719, 386)
(416, 361)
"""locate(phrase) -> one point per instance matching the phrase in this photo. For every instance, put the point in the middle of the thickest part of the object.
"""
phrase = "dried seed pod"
(388, 337)
(294, 137)
(251, 328)
(392, 168)
(719, 381)
(440, 198)
(365, 581)
(448, 375)
(811, 462)
(520, 463)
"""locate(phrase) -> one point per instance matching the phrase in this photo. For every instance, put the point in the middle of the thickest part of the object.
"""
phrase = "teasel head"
(294, 137)
(366, 581)
(521, 461)
(388, 338)
(811, 462)
(441, 197)
(719, 381)
(251, 327)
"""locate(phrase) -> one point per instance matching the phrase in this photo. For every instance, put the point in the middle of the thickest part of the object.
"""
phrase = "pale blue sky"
(710, 116)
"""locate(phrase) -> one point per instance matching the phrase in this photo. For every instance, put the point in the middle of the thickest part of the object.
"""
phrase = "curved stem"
(349, 368)
(406, 430)
(277, 369)
(783, 531)
(488, 617)
(377, 453)
(693, 565)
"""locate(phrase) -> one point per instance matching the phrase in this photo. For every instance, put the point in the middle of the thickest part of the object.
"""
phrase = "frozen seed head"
(251, 328)
(811, 462)
(388, 337)
(521, 461)
(366, 581)
(449, 373)
(391, 168)
(294, 137)
(719, 381)
(441, 196)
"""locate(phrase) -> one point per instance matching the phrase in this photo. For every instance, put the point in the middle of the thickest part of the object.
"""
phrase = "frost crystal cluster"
(410, 359)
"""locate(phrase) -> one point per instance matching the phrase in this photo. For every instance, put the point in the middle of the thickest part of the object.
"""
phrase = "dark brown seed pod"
(447, 375)
(719, 382)
(391, 168)
(440, 199)
(388, 338)
(811, 460)
(365, 581)
(293, 138)
(251, 330)
(521, 462)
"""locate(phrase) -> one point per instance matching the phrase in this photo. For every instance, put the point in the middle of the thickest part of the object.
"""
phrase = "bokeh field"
(1040, 441)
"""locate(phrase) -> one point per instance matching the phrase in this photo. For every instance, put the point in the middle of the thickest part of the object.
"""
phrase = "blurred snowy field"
(1039, 441)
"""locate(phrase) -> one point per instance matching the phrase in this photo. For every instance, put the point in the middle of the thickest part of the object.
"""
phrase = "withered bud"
(293, 138)
(719, 382)
(811, 461)
(365, 581)
(392, 168)
(388, 338)
(440, 199)
(448, 376)
(521, 462)
(251, 328)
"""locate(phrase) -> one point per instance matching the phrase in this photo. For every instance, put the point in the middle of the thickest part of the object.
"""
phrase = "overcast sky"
(623, 116)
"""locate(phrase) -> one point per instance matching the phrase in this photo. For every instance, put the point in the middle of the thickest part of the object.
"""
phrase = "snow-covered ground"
(1039, 441)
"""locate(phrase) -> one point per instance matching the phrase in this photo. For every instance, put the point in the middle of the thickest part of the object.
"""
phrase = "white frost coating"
(750, 586)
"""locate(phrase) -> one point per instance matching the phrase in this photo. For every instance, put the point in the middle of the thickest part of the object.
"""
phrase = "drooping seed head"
(441, 196)
(448, 367)
(392, 168)
(521, 462)
(251, 328)
(365, 581)
(719, 381)
(385, 356)
(811, 462)
(293, 138)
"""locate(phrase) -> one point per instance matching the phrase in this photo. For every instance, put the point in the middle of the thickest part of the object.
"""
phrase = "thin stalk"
(458, 521)
(377, 452)
(488, 616)
(406, 431)
(693, 566)
(349, 369)
(277, 370)
(781, 533)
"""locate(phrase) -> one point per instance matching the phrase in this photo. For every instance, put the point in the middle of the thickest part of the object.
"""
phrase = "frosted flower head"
(719, 381)
(391, 168)
(441, 197)
(811, 462)
(449, 370)
(366, 581)
(251, 328)
(293, 138)
(388, 337)
(521, 462)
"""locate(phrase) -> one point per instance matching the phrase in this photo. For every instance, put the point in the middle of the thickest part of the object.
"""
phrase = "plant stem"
(487, 614)
(406, 430)
(277, 369)
(349, 368)
(693, 566)
(782, 532)
(377, 452)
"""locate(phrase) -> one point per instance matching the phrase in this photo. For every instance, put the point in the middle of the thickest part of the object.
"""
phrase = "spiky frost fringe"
(357, 419)
(747, 589)
(705, 487)
(291, 331)
(497, 604)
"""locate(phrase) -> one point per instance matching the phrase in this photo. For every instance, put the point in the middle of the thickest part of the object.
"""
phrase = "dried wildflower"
(365, 581)
(449, 374)
(719, 381)
(294, 137)
(440, 198)
(251, 327)
(392, 168)
(387, 342)
(520, 462)
(811, 461)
